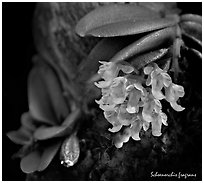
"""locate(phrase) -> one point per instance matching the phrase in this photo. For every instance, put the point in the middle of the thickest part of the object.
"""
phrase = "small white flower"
(173, 92)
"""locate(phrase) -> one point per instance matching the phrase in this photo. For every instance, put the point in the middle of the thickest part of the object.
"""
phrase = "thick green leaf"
(21, 136)
(162, 7)
(192, 42)
(27, 121)
(104, 50)
(196, 53)
(192, 28)
(191, 17)
(24, 150)
(44, 133)
(112, 14)
(146, 43)
(140, 61)
(46, 102)
(48, 155)
(38, 98)
(71, 118)
(131, 27)
(31, 162)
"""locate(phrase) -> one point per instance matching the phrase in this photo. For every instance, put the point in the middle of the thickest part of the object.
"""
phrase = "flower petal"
(173, 92)
(148, 70)
(127, 69)
(108, 70)
(138, 86)
(107, 107)
(157, 106)
(163, 118)
(158, 94)
(146, 125)
(120, 139)
(111, 116)
(106, 103)
(135, 129)
(118, 91)
(147, 111)
(178, 90)
(176, 107)
(166, 79)
(134, 97)
(156, 126)
(157, 85)
(103, 84)
(124, 117)
(148, 81)
(115, 128)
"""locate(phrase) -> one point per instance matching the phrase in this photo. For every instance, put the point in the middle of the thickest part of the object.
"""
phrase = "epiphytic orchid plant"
(49, 121)
(139, 47)
(139, 51)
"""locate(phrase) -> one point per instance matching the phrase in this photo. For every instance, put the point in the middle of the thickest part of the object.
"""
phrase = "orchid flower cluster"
(130, 100)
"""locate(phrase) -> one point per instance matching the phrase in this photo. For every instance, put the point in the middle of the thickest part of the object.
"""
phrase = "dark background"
(17, 51)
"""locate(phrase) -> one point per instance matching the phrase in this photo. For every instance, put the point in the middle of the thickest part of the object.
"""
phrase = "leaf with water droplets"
(140, 61)
(112, 14)
(131, 27)
(146, 43)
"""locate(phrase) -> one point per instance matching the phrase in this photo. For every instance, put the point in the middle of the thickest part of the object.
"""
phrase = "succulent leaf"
(21, 136)
(111, 14)
(47, 155)
(27, 121)
(46, 102)
(144, 59)
(131, 27)
(71, 118)
(31, 162)
(151, 41)
(44, 133)
(191, 17)
(192, 28)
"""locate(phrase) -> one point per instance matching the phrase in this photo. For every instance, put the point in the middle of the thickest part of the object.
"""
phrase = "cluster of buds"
(133, 100)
